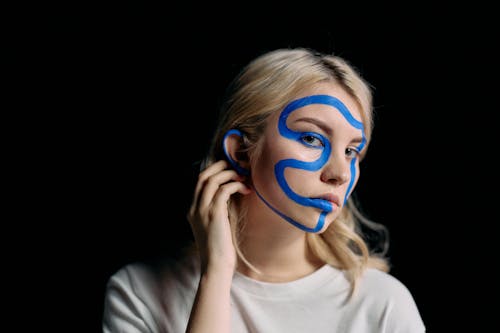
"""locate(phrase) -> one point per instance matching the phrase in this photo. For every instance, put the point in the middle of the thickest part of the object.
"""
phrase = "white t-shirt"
(149, 298)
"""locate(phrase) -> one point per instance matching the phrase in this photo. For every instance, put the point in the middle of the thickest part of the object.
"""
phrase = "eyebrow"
(323, 126)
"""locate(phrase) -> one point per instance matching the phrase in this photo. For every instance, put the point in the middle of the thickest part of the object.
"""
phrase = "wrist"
(221, 279)
(218, 269)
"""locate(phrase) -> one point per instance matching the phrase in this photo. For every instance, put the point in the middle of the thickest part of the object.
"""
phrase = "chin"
(311, 222)
(325, 226)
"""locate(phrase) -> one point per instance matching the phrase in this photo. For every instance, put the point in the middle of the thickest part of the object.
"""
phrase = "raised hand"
(209, 216)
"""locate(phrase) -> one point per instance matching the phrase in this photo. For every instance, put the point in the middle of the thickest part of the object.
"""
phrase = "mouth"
(328, 201)
(331, 198)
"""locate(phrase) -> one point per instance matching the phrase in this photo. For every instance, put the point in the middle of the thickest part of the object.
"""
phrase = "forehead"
(330, 89)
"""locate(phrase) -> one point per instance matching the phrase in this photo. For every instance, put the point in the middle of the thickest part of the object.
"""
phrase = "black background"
(127, 94)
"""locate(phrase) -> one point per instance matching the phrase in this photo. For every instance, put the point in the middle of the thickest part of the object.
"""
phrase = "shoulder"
(144, 278)
(154, 295)
(383, 285)
(392, 300)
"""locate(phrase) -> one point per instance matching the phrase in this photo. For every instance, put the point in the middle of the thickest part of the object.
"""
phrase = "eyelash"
(307, 138)
(352, 150)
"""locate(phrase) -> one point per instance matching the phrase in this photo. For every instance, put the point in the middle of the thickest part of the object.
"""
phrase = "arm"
(211, 308)
(208, 217)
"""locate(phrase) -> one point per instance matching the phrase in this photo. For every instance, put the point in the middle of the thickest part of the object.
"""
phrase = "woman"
(278, 237)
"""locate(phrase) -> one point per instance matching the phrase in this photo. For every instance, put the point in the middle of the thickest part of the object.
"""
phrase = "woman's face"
(309, 161)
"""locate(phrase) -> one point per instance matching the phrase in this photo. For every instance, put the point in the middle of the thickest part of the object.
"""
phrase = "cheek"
(300, 180)
(298, 151)
(280, 149)
(353, 181)
(262, 166)
(264, 180)
(356, 176)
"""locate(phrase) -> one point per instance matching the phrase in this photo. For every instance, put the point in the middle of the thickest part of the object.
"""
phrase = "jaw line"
(319, 224)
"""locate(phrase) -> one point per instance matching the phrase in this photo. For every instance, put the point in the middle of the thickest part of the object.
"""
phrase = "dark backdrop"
(137, 88)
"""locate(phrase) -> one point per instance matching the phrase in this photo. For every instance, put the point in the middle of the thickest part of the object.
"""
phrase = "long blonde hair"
(265, 86)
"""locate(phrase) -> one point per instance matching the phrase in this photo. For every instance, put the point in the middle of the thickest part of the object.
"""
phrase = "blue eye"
(312, 140)
(351, 152)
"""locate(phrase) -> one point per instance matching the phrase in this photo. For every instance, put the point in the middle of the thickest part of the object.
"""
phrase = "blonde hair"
(265, 86)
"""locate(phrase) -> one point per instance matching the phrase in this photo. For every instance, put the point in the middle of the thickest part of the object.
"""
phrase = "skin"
(305, 147)
(291, 259)
(275, 247)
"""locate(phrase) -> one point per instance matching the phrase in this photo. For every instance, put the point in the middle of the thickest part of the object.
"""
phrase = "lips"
(327, 202)
(331, 198)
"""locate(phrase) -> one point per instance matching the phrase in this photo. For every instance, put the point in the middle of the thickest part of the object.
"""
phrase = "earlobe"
(231, 144)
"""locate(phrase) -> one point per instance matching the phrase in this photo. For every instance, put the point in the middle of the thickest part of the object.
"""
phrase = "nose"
(336, 170)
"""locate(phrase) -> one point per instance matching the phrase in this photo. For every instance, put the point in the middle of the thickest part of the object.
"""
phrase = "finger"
(219, 204)
(205, 175)
(213, 184)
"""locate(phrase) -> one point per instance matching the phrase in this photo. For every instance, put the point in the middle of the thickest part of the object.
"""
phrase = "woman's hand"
(209, 216)
(209, 220)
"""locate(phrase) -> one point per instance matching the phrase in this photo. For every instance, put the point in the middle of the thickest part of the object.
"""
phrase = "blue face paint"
(239, 169)
(279, 169)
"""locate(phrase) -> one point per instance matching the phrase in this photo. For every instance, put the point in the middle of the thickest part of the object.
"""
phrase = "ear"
(232, 144)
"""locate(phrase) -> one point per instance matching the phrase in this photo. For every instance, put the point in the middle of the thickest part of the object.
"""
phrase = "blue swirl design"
(279, 169)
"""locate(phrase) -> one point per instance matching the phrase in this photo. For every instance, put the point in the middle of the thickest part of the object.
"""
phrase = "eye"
(351, 152)
(312, 140)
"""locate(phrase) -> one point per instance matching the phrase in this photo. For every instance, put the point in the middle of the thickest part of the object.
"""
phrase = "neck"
(277, 249)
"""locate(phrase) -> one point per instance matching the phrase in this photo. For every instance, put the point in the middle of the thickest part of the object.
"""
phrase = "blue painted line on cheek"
(319, 224)
(279, 171)
(280, 167)
(351, 182)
